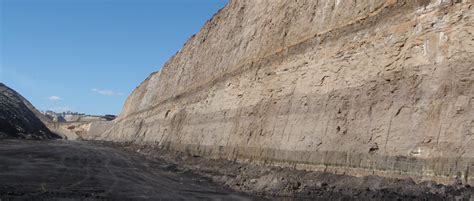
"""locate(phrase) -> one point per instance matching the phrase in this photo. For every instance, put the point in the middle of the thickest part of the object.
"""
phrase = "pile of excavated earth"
(19, 119)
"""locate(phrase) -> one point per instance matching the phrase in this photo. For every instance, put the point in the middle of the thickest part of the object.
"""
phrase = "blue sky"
(88, 55)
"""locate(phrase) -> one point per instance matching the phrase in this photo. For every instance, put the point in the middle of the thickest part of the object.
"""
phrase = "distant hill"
(19, 119)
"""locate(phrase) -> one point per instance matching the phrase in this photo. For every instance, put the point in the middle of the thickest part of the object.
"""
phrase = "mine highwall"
(388, 92)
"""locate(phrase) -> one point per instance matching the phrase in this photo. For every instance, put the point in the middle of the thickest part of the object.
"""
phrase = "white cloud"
(54, 98)
(107, 92)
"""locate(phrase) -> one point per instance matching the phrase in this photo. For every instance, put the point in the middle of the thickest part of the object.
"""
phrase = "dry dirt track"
(57, 170)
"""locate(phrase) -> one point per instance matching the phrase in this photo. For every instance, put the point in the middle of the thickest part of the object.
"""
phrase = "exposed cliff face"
(19, 119)
(361, 87)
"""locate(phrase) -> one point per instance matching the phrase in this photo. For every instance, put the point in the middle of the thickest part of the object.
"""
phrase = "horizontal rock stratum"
(362, 87)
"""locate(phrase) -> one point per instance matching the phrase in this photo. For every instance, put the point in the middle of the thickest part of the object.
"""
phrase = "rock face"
(73, 126)
(19, 119)
(357, 87)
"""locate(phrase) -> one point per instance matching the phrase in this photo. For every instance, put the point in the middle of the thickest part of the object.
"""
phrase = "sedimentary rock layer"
(19, 119)
(360, 87)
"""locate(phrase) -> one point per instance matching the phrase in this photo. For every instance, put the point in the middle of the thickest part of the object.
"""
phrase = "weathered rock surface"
(364, 87)
(86, 128)
(19, 119)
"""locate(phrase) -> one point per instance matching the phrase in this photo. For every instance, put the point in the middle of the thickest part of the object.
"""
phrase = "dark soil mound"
(19, 119)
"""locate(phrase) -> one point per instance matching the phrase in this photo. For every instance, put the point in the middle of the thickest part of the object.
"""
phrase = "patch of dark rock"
(286, 183)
